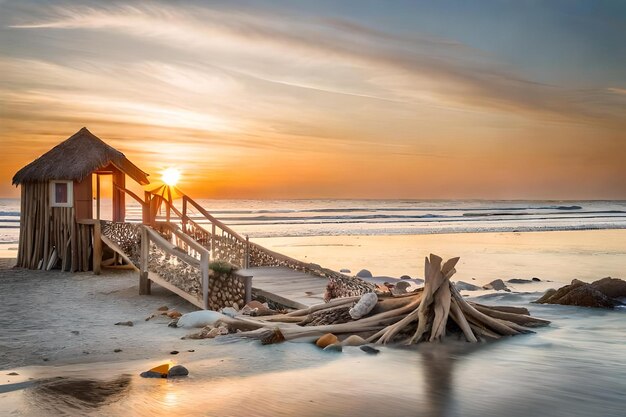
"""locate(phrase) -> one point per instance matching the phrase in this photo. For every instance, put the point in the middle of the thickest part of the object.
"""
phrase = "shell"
(364, 305)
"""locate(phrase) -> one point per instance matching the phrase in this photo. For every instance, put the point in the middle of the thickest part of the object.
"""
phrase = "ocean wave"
(392, 209)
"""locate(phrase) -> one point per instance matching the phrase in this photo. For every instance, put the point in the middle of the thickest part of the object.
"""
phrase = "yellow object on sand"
(162, 369)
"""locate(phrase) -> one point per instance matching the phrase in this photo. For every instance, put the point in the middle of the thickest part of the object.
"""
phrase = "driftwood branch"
(425, 315)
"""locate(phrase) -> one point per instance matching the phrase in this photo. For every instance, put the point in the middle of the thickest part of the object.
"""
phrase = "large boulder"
(601, 294)
(611, 287)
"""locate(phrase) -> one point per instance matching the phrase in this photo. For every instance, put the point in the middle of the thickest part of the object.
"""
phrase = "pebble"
(174, 352)
(177, 370)
(364, 273)
(163, 308)
(326, 340)
(335, 347)
(13, 373)
(370, 350)
(117, 350)
(151, 374)
(191, 350)
(75, 332)
(124, 323)
(353, 340)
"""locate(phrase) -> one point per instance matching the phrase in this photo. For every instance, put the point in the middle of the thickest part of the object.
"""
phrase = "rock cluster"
(226, 290)
(603, 293)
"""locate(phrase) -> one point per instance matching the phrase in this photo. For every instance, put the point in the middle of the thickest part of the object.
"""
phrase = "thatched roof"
(76, 158)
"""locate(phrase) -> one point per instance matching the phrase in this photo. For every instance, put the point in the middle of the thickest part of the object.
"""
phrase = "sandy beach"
(50, 320)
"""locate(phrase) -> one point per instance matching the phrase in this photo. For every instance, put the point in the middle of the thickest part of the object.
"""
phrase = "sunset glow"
(304, 100)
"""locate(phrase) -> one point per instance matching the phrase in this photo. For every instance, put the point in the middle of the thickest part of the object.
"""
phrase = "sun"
(170, 176)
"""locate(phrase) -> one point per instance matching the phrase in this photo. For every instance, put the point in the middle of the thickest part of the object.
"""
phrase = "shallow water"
(575, 367)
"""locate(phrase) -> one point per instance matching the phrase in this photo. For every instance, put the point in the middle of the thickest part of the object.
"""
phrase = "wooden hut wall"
(44, 229)
(83, 198)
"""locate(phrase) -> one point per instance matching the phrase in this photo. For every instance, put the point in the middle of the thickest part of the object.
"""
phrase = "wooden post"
(184, 219)
(144, 282)
(98, 196)
(146, 212)
(204, 269)
(97, 247)
(213, 241)
(246, 261)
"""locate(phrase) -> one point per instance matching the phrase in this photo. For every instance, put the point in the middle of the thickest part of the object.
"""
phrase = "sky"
(508, 99)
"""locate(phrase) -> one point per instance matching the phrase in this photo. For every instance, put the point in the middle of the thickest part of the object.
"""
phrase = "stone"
(366, 303)
(353, 340)
(124, 323)
(611, 287)
(401, 287)
(364, 273)
(335, 347)
(370, 350)
(177, 371)
(12, 373)
(546, 296)
(75, 332)
(581, 294)
(174, 352)
(496, 284)
(151, 374)
(519, 281)
(163, 308)
(326, 340)
(191, 350)
(466, 286)
(117, 350)
(587, 296)
(536, 279)
(405, 277)
(344, 271)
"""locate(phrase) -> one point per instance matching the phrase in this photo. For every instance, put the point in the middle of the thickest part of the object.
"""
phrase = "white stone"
(364, 305)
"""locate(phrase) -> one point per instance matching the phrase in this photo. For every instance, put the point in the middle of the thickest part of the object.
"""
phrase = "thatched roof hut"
(57, 222)
(75, 159)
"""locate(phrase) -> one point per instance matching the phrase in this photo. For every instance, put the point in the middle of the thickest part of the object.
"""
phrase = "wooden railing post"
(204, 270)
(144, 282)
(246, 261)
(213, 241)
(97, 247)
(184, 216)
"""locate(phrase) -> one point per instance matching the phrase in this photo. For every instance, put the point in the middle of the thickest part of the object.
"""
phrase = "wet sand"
(559, 256)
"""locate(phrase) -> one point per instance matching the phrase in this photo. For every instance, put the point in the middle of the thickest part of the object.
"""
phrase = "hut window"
(61, 193)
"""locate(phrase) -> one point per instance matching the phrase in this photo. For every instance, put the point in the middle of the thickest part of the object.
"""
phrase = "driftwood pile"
(427, 314)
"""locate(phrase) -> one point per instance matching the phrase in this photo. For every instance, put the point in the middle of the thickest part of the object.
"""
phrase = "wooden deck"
(286, 286)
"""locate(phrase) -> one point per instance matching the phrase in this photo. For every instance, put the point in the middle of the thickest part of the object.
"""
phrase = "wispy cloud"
(326, 54)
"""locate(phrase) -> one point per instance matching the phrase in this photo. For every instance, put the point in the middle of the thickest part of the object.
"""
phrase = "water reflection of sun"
(170, 398)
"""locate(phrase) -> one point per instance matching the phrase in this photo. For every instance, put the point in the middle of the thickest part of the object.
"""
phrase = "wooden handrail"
(170, 248)
(186, 238)
(133, 195)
